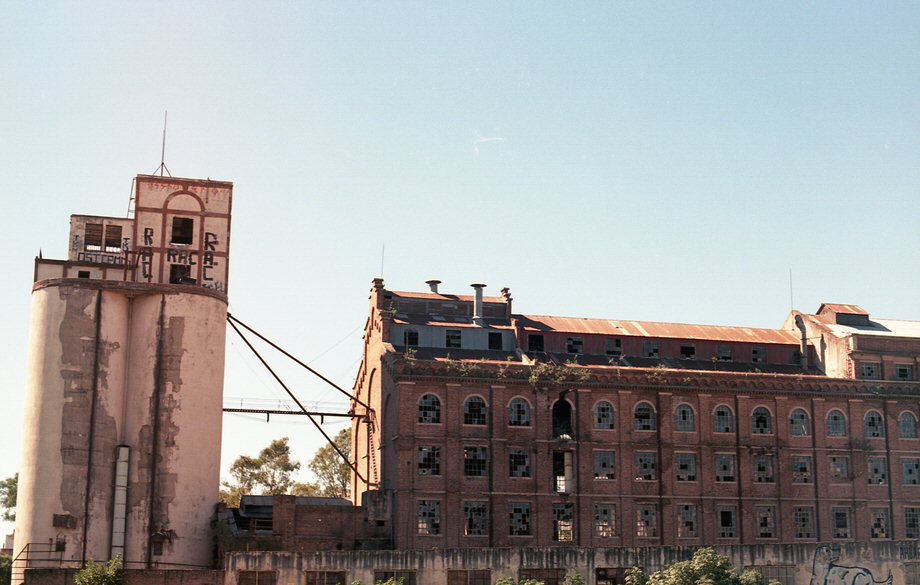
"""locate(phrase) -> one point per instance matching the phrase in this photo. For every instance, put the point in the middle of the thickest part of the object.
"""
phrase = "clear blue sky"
(654, 161)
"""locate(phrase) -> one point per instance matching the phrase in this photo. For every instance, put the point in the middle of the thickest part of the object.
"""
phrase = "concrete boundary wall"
(844, 563)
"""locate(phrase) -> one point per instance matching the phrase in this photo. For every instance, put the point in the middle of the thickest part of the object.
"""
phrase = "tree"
(332, 473)
(109, 573)
(8, 497)
(267, 474)
(706, 567)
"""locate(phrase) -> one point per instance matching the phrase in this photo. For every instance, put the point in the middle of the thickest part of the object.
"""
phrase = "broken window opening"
(722, 420)
(801, 469)
(534, 342)
(519, 519)
(874, 427)
(495, 341)
(766, 522)
(112, 243)
(878, 471)
(181, 274)
(841, 524)
(474, 461)
(727, 522)
(604, 467)
(613, 347)
(645, 467)
(725, 467)
(603, 415)
(686, 466)
(647, 521)
(686, 525)
(757, 355)
(410, 338)
(799, 424)
(650, 349)
(724, 353)
(474, 514)
(574, 345)
(903, 372)
(880, 523)
(836, 424)
(761, 422)
(183, 229)
(605, 520)
(911, 471)
(563, 472)
(683, 419)
(563, 522)
(907, 425)
(644, 417)
(429, 461)
(474, 411)
(562, 419)
(804, 521)
(763, 469)
(840, 468)
(519, 413)
(912, 522)
(687, 352)
(429, 409)
(518, 463)
(83, 274)
(869, 370)
(92, 237)
(429, 517)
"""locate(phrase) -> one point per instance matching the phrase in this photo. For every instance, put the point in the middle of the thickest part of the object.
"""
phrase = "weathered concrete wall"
(854, 563)
(132, 577)
(114, 366)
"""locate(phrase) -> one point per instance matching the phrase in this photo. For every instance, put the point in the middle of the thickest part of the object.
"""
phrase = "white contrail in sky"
(481, 139)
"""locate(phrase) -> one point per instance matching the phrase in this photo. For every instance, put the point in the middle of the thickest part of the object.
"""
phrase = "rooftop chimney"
(477, 304)
(433, 285)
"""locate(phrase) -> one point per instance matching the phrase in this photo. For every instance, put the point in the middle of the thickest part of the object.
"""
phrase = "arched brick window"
(907, 425)
(644, 417)
(799, 424)
(761, 422)
(603, 415)
(683, 419)
(722, 420)
(518, 413)
(429, 409)
(836, 424)
(474, 411)
(873, 426)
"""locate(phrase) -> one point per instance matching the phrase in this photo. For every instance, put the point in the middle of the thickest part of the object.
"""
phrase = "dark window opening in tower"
(182, 230)
(181, 274)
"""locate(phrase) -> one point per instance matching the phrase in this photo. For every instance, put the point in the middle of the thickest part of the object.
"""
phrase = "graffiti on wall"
(208, 263)
(826, 570)
(100, 258)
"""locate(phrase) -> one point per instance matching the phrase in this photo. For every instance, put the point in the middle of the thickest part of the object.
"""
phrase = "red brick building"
(493, 429)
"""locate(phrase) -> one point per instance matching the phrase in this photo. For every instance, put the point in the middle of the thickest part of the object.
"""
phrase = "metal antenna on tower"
(162, 166)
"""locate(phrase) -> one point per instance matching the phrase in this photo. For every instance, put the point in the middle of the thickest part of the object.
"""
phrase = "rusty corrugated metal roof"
(838, 308)
(652, 329)
(442, 297)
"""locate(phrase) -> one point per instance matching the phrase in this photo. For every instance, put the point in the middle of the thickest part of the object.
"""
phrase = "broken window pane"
(429, 517)
(519, 519)
(452, 338)
(766, 522)
(518, 463)
(683, 419)
(113, 239)
(604, 465)
(724, 353)
(757, 355)
(603, 415)
(563, 522)
(878, 470)
(763, 469)
(725, 467)
(687, 352)
(519, 413)
(686, 523)
(650, 348)
(613, 347)
(474, 461)
(874, 427)
(911, 471)
(474, 411)
(429, 409)
(495, 340)
(534, 342)
(840, 468)
(722, 421)
(799, 425)
(474, 514)
(686, 466)
(841, 524)
(869, 370)
(429, 461)
(836, 424)
(573, 345)
(605, 520)
(804, 520)
(801, 469)
(644, 417)
(761, 421)
(903, 372)
(907, 426)
(647, 521)
(92, 237)
(645, 467)
(912, 522)
(881, 524)
(727, 522)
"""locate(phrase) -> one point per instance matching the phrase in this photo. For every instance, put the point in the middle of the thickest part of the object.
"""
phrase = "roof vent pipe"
(433, 285)
(803, 343)
(477, 304)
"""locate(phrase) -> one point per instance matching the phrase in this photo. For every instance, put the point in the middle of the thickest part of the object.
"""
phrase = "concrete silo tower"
(121, 444)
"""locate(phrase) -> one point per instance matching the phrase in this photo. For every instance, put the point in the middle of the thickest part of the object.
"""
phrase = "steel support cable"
(232, 319)
(294, 398)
